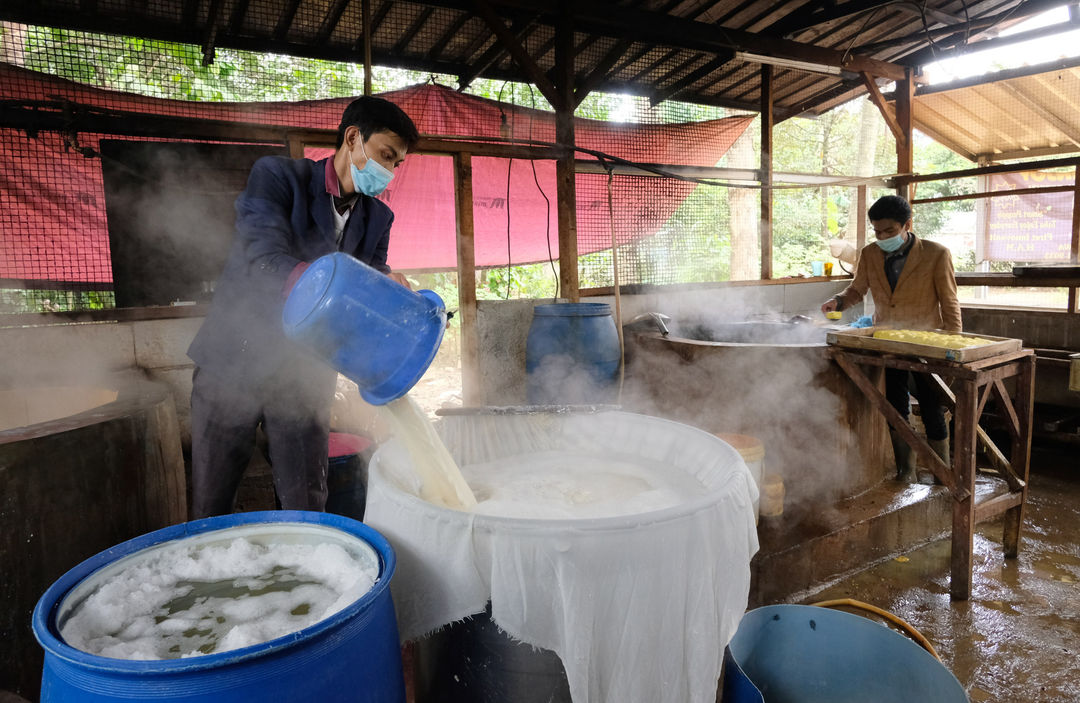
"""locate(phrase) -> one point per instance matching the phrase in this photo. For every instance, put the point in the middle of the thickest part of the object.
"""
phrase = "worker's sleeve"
(945, 287)
(856, 290)
(263, 224)
(378, 260)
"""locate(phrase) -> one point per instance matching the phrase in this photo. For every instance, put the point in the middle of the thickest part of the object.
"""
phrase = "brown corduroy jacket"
(925, 296)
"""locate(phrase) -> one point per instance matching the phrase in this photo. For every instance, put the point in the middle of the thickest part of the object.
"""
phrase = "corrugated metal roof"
(1016, 114)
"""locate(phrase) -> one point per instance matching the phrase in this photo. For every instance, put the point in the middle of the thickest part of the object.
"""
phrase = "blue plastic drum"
(352, 655)
(374, 331)
(572, 355)
(806, 654)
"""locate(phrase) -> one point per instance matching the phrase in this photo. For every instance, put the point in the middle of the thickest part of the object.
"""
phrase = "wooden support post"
(765, 225)
(1021, 454)
(565, 182)
(1074, 245)
(905, 152)
(365, 11)
(963, 522)
(860, 227)
(466, 275)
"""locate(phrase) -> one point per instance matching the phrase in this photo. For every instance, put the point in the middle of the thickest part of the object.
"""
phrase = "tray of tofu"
(927, 344)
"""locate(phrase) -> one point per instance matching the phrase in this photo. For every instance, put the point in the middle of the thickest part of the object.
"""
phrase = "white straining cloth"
(638, 608)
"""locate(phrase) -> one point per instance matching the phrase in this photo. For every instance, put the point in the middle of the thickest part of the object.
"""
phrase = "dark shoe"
(905, 459)
(941, 448)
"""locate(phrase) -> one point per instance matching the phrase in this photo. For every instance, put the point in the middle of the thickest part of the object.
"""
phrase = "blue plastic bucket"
(572, 354)
(806, 654)
(352, 655)
(376, 332)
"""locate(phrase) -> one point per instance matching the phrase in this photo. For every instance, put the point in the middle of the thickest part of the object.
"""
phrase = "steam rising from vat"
(768, 379)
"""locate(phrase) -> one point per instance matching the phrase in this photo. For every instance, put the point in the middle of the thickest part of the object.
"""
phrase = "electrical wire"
(650, 168)
(536, 180)
(615, 276)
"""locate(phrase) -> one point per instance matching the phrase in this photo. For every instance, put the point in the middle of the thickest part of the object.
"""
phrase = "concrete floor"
(1018, 637)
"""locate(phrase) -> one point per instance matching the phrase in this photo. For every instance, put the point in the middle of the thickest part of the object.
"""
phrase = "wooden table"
(973, 382)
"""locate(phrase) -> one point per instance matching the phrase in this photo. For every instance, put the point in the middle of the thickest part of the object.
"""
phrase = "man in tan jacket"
(913, 287)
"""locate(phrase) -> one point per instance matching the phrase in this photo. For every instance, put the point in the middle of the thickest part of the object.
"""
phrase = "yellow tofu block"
(932, 339)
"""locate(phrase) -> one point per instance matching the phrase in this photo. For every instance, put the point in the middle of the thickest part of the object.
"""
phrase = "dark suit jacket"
(283, 218)
(925, 296)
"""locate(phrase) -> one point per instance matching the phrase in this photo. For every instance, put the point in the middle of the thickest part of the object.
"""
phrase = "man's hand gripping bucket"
(374, 331)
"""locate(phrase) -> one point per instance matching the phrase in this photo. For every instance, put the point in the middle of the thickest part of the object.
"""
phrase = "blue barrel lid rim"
(416, 362)
(751, 637)
(46, 610)
(572, 309)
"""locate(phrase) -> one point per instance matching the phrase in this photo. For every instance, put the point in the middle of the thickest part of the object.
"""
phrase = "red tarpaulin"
(52, 203)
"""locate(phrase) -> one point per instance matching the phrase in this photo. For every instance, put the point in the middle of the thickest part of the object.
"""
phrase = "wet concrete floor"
(1018, 637)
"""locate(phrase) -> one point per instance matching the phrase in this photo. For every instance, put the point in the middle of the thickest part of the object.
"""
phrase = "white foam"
(561, 485)
(188, 600)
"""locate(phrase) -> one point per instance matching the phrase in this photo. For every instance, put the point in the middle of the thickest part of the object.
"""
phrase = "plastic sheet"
(638, 607)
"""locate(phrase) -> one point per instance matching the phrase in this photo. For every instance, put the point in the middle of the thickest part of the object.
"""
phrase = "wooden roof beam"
(519, 29)
(814, 13)
(879, 102)
(442, 42)
(539, 78)
(413, 30)
(693, 77)
(212, 27)
(376, 20)
(236, 18)
(286, 19)
(656, 28)
(657, 63)
(975, 26)
(330, 22)
(600, 71)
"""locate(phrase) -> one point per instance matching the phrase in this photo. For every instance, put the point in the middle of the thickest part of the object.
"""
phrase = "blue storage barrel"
(572, 355)
(807, 654)
(352, 655)
(346, 476)
(374, 331)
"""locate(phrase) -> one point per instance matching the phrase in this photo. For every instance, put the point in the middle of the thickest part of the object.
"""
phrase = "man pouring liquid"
(247, 372)
(913, 286)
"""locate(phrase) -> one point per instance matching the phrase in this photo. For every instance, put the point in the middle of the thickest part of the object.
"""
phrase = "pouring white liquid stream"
(441, 481)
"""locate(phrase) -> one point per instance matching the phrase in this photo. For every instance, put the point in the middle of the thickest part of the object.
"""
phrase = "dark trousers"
(930, 407)
(295, 417)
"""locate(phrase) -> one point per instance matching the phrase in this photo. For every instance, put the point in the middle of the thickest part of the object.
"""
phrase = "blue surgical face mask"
(892, 243)
(373, 178)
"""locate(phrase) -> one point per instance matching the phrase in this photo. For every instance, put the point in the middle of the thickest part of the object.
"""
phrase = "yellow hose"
(907, 628)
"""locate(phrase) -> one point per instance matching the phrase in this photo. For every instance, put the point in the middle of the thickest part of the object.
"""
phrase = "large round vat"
(82, 468)
(771, 381)
(633, 607)
(351, 655)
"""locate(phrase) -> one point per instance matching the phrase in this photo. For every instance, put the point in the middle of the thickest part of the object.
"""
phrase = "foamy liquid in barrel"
(185, 601)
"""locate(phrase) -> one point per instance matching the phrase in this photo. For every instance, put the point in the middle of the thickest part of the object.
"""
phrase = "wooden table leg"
(1020, 458)
(963, 526)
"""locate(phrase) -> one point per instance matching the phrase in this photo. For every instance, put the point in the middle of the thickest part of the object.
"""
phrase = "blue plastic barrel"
(806, 654)
(572, 355)
(352, 655)
(376, 332)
